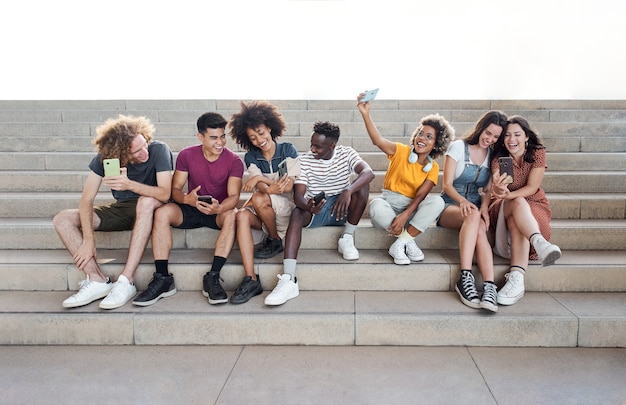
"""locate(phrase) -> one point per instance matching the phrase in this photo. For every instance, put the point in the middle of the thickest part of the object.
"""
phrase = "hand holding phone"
(319, 197)
(282, 169)
(506, 168)
(369, 95)
(111, 167)
(205, 198)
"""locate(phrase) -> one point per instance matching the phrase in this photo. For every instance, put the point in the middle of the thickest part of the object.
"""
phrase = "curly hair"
(534, 140)
(495, 117)
(114, 137)
(328, 129)
(445, 133)
(253, 115)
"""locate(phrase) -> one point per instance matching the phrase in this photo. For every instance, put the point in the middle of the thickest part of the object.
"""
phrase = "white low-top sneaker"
(285, 290)
(548, 253)
(396, 250)
(414, 252)
(120, 294)
(88, 292)
(346, 247)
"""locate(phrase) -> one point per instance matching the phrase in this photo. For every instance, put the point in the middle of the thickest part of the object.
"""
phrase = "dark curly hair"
(445, 133)
(534, 140)
(210, 120)
(252, 115)
(114, 137)
(328, 129)
(496, 117)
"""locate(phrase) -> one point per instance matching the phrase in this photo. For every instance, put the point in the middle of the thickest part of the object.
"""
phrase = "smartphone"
(111, 167)
(205, 198)
(506, 167)
(369, 95)
(282, 169)
(319, 197)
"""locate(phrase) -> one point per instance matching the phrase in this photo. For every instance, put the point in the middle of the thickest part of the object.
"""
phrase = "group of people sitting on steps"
(327, 186)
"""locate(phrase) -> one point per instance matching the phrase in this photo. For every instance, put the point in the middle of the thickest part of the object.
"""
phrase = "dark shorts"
(117, 216)
(192, 218)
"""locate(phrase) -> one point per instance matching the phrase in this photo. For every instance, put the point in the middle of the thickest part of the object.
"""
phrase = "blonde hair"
(115, 136)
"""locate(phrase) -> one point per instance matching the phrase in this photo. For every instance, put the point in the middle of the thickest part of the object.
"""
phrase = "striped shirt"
(331, 176)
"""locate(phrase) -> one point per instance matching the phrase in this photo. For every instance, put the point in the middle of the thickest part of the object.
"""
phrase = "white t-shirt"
(456, 151)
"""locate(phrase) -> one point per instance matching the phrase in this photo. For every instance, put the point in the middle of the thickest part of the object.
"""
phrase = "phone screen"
(282, 168)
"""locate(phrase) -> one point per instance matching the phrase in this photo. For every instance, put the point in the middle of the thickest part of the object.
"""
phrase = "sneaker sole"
(273, 303)
(162, 295)
(418, 259)
(400, 261)
(104, 305)
(218, 301)
(268, 256)
(471, 304)
(551, 258)
(488, 306)
(260, 291)
(509, 301)
(83, 303)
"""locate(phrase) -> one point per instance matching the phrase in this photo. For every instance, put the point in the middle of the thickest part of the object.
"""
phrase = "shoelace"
(511, 282)
(467, 281)
(489, 293)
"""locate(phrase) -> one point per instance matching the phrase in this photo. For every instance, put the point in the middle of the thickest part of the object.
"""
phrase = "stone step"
(36, 233)
(591, 141)
(79, 161)
(564, 205)
(553, 182)
(334, 318)
(318, 270)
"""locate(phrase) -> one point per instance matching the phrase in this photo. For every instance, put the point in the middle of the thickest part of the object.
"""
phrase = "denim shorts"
(323, 218)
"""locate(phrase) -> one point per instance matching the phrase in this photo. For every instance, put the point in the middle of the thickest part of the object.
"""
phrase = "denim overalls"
(468, 183)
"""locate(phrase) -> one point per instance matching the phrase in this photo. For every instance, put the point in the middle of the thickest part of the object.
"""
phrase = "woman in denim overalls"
(466, 171)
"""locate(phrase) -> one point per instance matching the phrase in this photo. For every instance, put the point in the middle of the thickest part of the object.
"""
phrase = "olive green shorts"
(117, 216)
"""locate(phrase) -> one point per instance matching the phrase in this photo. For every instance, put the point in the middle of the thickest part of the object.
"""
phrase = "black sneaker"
(160, 287)
(247, 289)
(466, 288)
(490, 297)
(270, 248)
(212, 288)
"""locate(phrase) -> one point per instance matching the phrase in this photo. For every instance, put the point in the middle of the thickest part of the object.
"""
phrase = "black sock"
(161, 267)
(218, 263)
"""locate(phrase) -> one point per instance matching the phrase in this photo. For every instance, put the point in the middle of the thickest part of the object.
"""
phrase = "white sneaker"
(414, 253)
(88, 292)
(120, 294)
(346, 247)
(396, 250)
(286, 289)
(547, 252)
(513, 290)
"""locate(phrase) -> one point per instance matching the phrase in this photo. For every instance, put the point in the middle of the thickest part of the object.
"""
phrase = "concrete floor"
(310, 375)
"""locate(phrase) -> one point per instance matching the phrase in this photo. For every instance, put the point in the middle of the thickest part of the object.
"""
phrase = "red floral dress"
(538, 202)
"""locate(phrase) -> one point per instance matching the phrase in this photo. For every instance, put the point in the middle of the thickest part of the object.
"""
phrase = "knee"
(260, 199)
(229, 218)
(65, 218)
(242, 217)
(147, 205)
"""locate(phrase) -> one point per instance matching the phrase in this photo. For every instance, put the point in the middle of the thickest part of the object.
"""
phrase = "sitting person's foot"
(160, 287)
(270, 248)
(88, 292)
(212, 288)
(285, 290)
(346, 247)
(123, 290)
(247, 289)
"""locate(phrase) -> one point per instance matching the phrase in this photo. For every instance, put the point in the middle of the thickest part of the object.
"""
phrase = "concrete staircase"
(45, 147)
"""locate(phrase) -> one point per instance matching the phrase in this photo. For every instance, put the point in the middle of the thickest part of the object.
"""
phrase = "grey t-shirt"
(160, 159)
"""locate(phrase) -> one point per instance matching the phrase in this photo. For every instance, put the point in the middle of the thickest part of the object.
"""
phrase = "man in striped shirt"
(327, 168)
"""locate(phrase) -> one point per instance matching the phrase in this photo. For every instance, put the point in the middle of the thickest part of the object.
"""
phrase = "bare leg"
(164, 217)
(67, 225)
(358, 204)
(227, 221)
(263, 206)
(297, 221)
(246, 221)
(140, 234)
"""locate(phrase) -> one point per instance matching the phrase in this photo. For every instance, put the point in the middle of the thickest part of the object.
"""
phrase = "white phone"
(369, 95)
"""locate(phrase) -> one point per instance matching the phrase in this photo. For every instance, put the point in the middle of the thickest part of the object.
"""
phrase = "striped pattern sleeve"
(331, 176)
